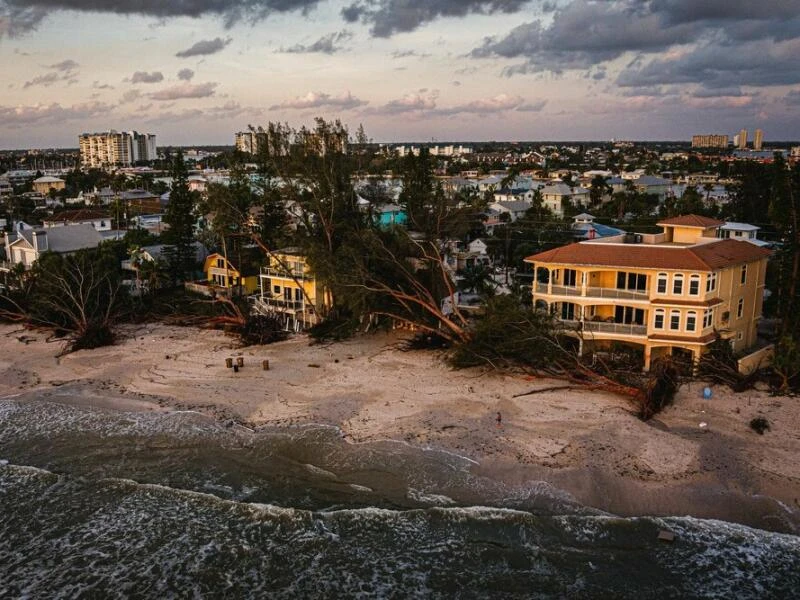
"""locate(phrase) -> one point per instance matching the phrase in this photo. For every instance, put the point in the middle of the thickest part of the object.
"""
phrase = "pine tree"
(181, 256)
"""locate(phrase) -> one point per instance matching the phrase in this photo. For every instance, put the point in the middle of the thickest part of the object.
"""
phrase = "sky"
(196, 71)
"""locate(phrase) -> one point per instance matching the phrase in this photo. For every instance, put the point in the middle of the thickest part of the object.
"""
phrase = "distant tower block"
(742, 139)
(758, 140)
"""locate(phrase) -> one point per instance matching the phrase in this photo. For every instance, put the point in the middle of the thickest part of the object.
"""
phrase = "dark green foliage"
(262, 329)
(510, 334)
(660, 387)
(181, 257)
(759, 425)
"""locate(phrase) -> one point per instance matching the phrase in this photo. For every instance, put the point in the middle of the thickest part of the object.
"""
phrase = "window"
(677, 284)
(661, 285)
(711, 282)
(744, 274)
(220, 263)
(277, 290)
(694, 285)
(631, 281)
(675, 320)
(298, 295)
(708, 317)
(691, 320)
(570, 277)
(740, 309)
(739, 336)
(659, 322)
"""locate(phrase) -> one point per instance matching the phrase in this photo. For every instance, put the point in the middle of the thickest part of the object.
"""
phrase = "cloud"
(584, 33)
(408, 104)
(185, 90)
(101, 86)
(130, 96)
(757, 63)
(21, 116)
(204, 47)
(496, 104)
(144, 77)
(65, 66)
(388, 17)
(321, 100)
(43, 80)
(327, 44)
(407, 53)
(20, 16)
(536, 106)
(185, 74)
(793, 98)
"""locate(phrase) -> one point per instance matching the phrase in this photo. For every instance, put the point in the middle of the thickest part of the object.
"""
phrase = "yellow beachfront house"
(666, 293)
(288, 286)
(222, 272)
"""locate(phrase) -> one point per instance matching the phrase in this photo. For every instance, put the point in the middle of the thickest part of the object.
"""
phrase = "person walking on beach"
(499, 419)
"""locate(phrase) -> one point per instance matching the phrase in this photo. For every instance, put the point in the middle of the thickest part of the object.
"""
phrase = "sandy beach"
(586, 443)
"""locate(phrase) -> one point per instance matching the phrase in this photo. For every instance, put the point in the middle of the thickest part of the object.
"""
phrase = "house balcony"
(281, 273)
(590, 292)
(606, 328)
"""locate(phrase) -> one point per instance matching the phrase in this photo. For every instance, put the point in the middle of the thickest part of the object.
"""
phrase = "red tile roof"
(692, 221)
(704, 257)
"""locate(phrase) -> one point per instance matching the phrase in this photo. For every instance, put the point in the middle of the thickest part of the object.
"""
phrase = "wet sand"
(587, 443)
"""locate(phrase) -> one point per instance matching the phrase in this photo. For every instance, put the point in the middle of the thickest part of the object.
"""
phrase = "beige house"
(667, 293)
(43, 185)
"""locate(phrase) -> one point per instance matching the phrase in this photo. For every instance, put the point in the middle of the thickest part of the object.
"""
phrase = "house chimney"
(40, 241)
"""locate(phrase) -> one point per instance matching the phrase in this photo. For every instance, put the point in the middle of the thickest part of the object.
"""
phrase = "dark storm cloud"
(204, 47)
(327, 44)
(583, 33)
(18, 16)
(388, 17)
(715, 66)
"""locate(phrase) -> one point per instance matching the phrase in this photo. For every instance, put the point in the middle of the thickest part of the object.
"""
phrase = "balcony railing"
(591, 292)
(280, 303)
(602, 327)
(284, 273)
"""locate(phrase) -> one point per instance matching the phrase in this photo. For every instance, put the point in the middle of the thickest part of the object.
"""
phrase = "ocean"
(104, 504)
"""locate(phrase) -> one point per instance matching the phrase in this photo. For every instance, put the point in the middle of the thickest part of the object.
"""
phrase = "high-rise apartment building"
(250, 141)
(710, 141)
(742, 139)
(758, 140)
(116, 148)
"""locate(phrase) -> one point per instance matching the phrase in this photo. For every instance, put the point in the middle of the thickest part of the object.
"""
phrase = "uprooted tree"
(78, 298)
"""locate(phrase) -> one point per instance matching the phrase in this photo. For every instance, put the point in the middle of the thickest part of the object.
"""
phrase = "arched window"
(677, 284)
(659, 319)
(691, 320)
(675, 320)
(694, 285)
(661, 285)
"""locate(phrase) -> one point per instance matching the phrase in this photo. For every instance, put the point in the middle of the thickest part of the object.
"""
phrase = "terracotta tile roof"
(705, 257)
(692, 221)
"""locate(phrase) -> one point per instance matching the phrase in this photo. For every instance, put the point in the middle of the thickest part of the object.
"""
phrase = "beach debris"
(703, 425)
(235, 368)
(228, 363)
(759, 425)
(665, 535)
(265, 364)
(707, 393)
(313, 365)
